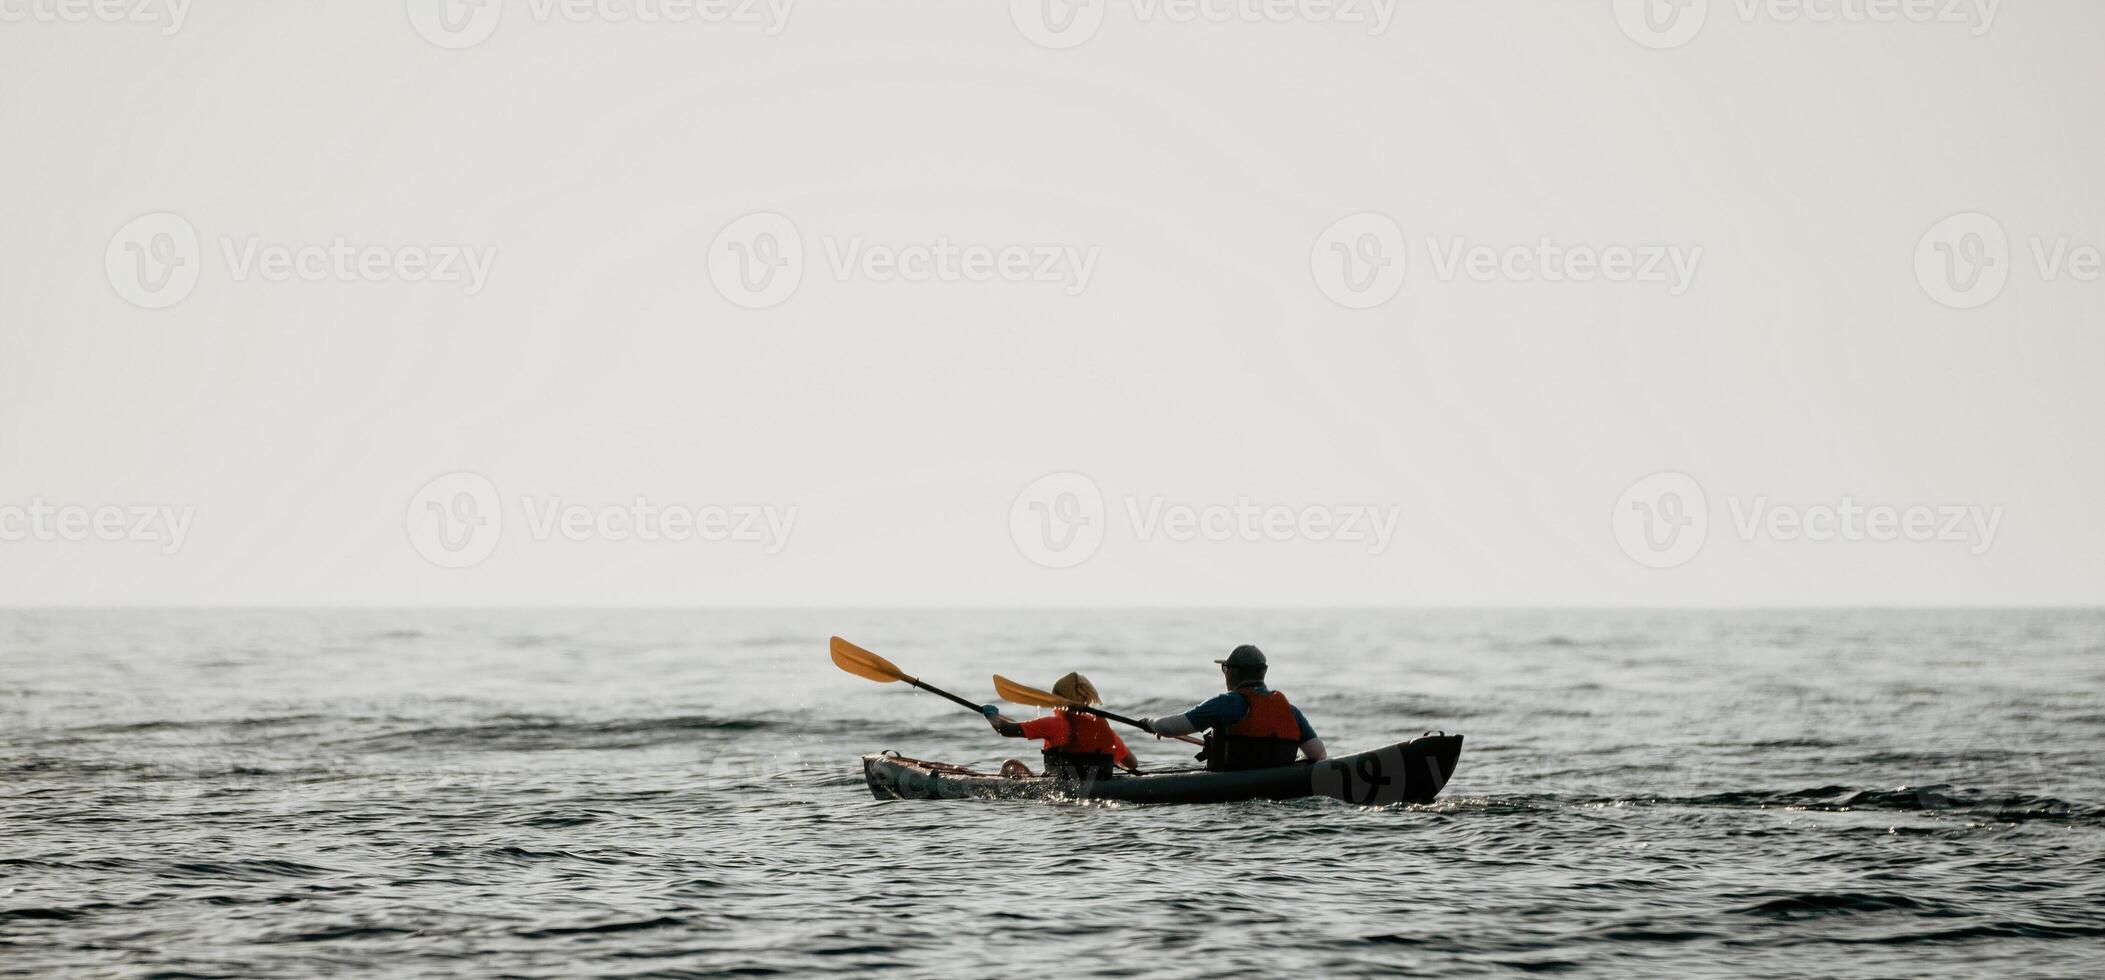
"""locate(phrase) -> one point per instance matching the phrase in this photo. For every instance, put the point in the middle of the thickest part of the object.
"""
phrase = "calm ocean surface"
(563, 794)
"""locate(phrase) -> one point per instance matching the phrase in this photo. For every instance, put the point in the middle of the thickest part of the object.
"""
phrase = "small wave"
(1789, 742)
(520, 733)
(166, 725)
(661, 922)
(56, 766)
(39, 914)
(339, 933)
(854, 949)
(1811, 905)
(533, 641)
(1841, 799)
(254, 871)
(1645, 934)
(2009, 929)
(557, 821)
(1393, 939)
(521, 855)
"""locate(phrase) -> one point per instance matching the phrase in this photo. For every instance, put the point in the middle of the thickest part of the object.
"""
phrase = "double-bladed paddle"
(862, 663)
(1012, 691)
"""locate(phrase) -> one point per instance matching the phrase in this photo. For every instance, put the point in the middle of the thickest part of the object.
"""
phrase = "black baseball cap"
(1242, 657)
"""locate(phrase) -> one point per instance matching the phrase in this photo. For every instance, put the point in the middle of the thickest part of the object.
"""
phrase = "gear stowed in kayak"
(1407, 772)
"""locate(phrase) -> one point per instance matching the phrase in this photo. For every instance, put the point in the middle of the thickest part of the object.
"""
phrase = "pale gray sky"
(1163, 259)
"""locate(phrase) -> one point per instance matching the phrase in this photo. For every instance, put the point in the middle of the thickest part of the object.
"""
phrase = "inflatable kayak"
(1407, 772)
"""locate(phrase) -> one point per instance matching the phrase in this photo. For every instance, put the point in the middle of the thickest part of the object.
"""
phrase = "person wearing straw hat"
(1076, 743)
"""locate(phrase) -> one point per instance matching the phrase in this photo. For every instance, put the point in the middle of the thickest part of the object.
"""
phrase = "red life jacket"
(1265, 737)
(1091, 748)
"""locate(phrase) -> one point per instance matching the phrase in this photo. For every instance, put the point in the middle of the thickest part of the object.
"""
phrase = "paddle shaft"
(1025, 694)
(1123, 720)
(932, 689)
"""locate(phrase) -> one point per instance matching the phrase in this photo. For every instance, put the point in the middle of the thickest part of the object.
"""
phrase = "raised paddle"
(862, 663)
(1012, 691)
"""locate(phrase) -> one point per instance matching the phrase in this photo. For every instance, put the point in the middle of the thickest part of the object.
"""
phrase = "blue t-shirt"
(1223, 710)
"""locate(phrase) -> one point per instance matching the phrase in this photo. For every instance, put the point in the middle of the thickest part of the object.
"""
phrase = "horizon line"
(915, 607)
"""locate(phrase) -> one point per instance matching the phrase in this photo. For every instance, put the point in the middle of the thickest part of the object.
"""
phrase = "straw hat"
(1075, 687)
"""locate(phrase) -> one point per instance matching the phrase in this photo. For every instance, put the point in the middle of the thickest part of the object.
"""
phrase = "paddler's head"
(1243, 665)
(1075, 687)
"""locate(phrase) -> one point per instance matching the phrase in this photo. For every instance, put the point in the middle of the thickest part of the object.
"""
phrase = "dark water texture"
(273, 794)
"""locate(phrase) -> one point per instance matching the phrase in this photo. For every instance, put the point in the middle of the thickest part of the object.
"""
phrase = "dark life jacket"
(1091, 750)
(1266, 737)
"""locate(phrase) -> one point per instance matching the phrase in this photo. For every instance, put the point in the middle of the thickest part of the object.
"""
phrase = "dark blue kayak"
(1407, 772)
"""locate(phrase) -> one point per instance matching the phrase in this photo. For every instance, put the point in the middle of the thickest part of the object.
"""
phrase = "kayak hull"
(1407, 772)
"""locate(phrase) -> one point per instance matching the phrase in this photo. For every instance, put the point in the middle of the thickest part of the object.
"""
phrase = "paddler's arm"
(1051, 728)
(1122, 755)
(1218, 711)
(1311, 745)
(1171, 726)
(1001, 724)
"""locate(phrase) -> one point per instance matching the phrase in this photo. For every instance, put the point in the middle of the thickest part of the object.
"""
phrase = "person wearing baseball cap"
(1251, 726)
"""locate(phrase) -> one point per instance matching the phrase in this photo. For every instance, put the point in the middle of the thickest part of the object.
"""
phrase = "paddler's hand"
(1146, 725)
(993, 715)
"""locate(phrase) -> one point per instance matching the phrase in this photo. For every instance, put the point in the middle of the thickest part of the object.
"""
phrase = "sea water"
(623, 793)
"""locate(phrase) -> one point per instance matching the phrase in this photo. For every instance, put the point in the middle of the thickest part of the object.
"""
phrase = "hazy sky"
(959, 303)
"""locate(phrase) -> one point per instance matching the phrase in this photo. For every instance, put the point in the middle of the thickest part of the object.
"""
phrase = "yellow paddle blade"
(1015, 693)
(862, 663)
